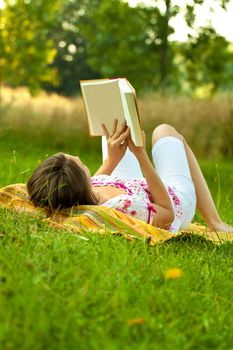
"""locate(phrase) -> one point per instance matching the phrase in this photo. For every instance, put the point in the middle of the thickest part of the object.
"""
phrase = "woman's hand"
(117, 141)
(137, 151)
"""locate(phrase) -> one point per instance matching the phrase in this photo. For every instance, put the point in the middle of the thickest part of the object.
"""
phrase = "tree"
(159, 15)
(207, 60)
(71, 58)
(26, 49)
(159, 31)
(53, 44)
(117, 45)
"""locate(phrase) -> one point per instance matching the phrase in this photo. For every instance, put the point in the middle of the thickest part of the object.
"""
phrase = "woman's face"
(78, 161)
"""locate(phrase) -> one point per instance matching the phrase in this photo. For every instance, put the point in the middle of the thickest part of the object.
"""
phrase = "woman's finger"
(121, 130)
(130, 137)
(124, 145)
(114, 128)
(123, 136)
(143, 137)
(106, 133)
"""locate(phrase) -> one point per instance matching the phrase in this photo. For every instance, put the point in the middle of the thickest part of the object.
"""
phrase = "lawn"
(58, 291)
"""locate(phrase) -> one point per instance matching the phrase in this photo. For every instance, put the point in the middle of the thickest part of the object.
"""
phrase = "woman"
(165, 196)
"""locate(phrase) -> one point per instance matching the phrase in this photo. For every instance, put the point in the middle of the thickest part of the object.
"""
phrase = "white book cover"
(109, 99)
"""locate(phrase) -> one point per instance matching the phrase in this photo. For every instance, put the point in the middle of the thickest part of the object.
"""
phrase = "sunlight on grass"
(202, 121)
(105, 291)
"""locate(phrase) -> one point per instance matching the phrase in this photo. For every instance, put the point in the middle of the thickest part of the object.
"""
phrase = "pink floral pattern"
(137, 201)
(174, 197)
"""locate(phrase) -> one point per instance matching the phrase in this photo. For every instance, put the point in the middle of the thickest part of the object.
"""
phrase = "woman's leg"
(205, 203)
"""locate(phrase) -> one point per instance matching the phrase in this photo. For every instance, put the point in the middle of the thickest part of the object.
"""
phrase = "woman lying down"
(165, 195)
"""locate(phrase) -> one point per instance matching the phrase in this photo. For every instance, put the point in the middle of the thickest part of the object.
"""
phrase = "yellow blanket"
(99, 219)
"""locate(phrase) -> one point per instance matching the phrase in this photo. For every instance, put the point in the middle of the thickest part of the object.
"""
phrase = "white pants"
(171, 164)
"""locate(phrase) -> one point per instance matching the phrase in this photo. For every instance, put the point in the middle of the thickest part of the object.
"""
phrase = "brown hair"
(60, 183)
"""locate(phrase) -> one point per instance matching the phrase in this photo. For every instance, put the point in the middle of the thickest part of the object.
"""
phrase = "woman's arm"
(106, 168)
(162, 203)
(117, 145)
(155, 185)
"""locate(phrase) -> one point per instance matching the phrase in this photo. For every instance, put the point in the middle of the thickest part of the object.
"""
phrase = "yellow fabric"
(99, 219)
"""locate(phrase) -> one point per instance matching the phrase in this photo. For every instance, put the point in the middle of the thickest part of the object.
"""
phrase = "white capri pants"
(171, 164)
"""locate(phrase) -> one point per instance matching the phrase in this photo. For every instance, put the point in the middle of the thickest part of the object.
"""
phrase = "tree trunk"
(164, 52)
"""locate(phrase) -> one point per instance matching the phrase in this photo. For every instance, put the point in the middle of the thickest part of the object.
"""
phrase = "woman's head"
(61, 181)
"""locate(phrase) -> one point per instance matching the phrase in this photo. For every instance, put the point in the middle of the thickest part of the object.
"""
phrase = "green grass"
(58, 291)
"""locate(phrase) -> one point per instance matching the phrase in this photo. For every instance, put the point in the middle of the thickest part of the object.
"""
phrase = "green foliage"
(70, 62)
(207, 60)
(54, 44)
(116, 35)
(189, 15)
(26, 49)
(129, 40)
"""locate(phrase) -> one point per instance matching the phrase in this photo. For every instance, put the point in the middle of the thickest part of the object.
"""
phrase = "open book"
(109, 99)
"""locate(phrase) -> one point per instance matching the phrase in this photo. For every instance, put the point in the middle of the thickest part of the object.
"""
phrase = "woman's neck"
(97, 194)
(104, 193)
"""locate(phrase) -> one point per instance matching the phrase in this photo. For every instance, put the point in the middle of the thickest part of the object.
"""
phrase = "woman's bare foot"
(221, 227)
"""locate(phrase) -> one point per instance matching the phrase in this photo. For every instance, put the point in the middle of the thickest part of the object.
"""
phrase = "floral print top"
(137, 201)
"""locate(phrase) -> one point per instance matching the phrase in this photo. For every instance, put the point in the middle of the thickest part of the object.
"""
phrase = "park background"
(56, 290)
(170, 51)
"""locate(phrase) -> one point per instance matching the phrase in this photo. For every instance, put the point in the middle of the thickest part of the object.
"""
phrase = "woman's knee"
(165, 130)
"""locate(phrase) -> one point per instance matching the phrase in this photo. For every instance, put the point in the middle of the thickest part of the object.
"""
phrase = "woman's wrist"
(107, 167)
(110, 163)
(142, 155)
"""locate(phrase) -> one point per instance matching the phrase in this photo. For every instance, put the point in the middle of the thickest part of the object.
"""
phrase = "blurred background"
(177, 54)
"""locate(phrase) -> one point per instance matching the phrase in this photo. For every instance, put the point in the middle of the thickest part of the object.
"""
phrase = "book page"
(131, 112)
(124, 85)
(133, 119)
(103, 104)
